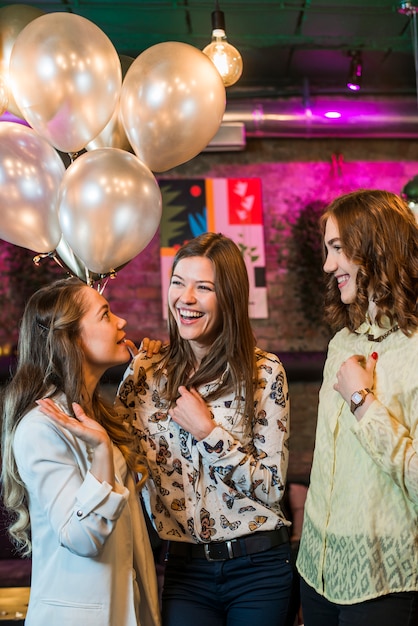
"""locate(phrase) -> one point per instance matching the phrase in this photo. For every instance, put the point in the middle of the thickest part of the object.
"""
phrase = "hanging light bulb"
(226, 58)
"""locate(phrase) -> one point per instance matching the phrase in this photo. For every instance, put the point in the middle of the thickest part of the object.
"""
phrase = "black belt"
(224, 550)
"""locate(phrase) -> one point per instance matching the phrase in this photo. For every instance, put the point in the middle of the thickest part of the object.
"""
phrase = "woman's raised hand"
(88, 430)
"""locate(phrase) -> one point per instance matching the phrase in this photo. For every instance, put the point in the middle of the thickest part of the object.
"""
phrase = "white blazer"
(92, 562)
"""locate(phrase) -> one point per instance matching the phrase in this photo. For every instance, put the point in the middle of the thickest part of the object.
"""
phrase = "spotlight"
(227, 59)
(356, 69)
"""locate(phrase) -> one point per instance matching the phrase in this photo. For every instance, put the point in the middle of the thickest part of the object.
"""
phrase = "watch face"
(356, 397)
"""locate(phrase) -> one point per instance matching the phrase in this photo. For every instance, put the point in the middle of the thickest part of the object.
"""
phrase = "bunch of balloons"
(130, 118)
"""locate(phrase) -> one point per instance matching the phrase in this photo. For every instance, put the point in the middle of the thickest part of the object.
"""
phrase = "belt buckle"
(228, 544)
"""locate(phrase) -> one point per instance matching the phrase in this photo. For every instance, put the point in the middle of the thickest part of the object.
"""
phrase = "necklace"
(381, 337)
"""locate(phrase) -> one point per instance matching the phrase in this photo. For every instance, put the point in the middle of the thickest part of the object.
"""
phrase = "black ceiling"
(287, 46)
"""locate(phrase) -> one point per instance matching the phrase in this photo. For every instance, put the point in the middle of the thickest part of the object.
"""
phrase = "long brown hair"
(378, 232)
(51, 359)
(232, 353)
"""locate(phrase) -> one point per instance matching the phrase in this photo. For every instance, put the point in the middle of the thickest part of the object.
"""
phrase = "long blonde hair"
(50, 357)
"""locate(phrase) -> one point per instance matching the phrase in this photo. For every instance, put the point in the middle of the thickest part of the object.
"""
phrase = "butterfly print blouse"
(225, 486)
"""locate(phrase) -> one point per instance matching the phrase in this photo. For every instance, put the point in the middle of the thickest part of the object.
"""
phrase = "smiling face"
(194, 304)
(337, 263)
(102, 335)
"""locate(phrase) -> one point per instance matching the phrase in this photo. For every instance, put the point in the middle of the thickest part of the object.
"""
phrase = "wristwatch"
(358, 398)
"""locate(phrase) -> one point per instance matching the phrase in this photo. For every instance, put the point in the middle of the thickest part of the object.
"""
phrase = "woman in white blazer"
(68, 479)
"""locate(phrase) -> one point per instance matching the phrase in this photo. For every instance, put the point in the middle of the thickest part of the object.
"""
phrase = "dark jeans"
(245, 591)
(394, 609)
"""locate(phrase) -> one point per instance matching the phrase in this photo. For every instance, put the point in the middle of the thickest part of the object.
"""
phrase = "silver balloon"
(172, 104)
(31, 172)
(65, 76)
(109, 208)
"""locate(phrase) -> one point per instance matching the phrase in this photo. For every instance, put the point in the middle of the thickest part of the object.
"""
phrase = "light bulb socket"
(218, 20)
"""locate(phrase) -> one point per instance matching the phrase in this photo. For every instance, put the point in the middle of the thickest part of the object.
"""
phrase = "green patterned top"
(360, 533)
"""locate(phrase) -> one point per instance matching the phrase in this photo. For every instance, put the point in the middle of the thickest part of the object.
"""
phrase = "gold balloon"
(172, 104)
(30, 172)
(109, 208)
(113, 135)
(65, 76)
(13, 19)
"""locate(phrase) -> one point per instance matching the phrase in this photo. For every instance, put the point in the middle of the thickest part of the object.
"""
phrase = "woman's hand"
(151, 346)
(354, 374)
(191, 413)
(88, 430)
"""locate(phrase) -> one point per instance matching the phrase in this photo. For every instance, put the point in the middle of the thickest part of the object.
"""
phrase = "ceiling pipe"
(326, 116)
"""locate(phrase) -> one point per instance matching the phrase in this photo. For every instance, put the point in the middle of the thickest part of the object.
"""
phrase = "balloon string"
(101, 286)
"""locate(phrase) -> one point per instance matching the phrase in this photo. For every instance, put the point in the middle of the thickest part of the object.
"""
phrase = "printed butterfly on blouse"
(174, 533)
(158, 417)
(127, 393)
(183, 437)
(207, 525)
(277, 391)
(218, 447)
(141, 385)
(157, 401)
(245, 509)
(190, 526)
(258, 521)
(229, 498)
(225, 523)
(266, 367)
(160, 508)
(178, 504)
(275, 480)
(163, 453)
(260, 418)
(282, 426)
